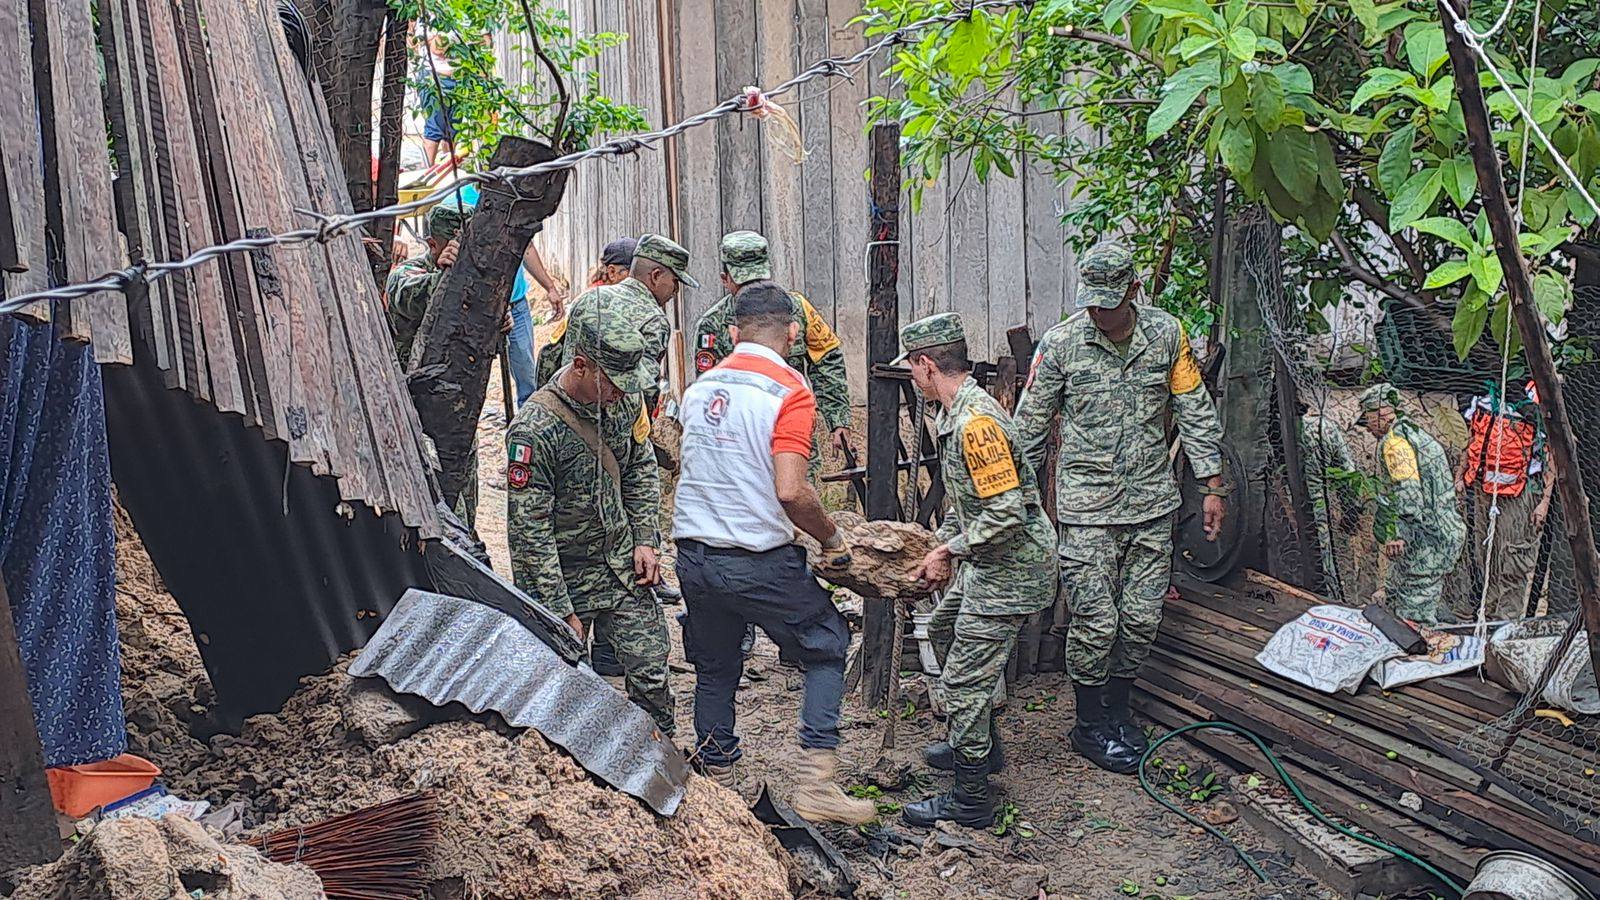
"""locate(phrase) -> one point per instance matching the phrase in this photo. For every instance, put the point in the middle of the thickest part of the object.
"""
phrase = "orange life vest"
(1501, 452)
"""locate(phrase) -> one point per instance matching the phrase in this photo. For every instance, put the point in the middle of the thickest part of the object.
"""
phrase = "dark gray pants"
(723, 589)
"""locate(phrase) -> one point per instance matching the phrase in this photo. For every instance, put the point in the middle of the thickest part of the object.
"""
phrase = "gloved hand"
(835, 554)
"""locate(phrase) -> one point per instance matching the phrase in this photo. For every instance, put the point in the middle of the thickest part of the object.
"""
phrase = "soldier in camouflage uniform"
(411, 282)
(816, 354)
(583, 498)
(1417, 525)
(1325, 453)
(1113, 371)
(994, 553)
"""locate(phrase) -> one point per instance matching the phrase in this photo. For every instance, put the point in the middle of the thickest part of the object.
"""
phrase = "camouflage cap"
(1378, 396)
(602, 333)
(744, 257)
(667, 252)
(1104, 273)
(933, 331)
(446, 219)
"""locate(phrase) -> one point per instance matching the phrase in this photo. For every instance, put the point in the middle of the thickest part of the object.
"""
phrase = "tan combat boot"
(818, 799)
(722, 775)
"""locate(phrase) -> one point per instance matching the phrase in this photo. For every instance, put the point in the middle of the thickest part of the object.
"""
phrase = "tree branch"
(1368, 203)
(1355, 270)
(555, 75)
(1100, 37)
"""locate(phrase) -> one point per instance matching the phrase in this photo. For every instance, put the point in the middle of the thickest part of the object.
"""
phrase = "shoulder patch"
(988, 457)
(704, 360)
(641, 426)
(819, 337)
(1400, 458)
(1185, 374)
(560, 330)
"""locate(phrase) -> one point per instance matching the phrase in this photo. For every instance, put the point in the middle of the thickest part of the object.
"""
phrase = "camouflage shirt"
(628, 294)
(817, 354)
(1418, 505)
(1324, 448)
(1003, 543)
(1113, 467)
(409, 285)
(572, 530)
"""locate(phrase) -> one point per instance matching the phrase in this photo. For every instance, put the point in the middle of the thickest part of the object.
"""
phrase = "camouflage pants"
(1414, 585)
(1116, 578)
(973, 651)
(1516, 549)
(637, 629)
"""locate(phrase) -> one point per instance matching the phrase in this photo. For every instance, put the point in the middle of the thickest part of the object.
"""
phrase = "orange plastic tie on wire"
(786, 136)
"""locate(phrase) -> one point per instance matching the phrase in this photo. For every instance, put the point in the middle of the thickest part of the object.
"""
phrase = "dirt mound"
(140, 859)
(885, 556)
(165, 689)
(519, 817)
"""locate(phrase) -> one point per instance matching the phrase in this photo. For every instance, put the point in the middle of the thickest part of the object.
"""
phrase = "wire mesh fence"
(1437, 499)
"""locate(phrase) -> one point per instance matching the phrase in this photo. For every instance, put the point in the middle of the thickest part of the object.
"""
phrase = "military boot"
(967, 803)
(1118, 719)
(722, 775)
(818, 798)
(1094, 738)
(940, 756)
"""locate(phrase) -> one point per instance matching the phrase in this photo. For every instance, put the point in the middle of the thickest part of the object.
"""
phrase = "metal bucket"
(1514, 875)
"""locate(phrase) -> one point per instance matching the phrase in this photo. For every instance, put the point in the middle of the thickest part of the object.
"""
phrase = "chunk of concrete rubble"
(885, 556)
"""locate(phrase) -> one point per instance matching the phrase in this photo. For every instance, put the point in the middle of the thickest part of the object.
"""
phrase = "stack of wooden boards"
(215, 135)
(1373, 759)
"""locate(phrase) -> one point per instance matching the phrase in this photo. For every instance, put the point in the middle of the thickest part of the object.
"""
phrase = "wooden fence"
(993, 253)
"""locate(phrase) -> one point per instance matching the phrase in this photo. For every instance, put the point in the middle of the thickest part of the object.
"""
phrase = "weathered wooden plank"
(699, 175)
(851, 200)
(816, 174)
(645, 89)
(969, 254)
(738, 137)
(783, 213)
(930, 230)
(283, 279)
(19, 154)
(1046, 243)
(241, 318)
(1007, 292)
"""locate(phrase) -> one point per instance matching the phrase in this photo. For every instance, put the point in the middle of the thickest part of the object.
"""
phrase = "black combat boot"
(967, 803)
(1094, 738)
(940, 756)
(603, 657)
(1118, 720)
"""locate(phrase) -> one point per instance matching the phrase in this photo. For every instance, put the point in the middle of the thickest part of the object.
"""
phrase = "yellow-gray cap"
(933, 331)
(667, 252)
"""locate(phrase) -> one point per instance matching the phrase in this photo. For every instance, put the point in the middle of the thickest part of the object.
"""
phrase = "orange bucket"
(79, 790)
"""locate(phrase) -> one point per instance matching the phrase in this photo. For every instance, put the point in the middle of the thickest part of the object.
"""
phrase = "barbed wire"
(330, 226)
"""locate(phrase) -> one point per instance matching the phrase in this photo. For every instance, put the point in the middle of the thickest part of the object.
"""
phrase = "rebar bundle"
(376, 853)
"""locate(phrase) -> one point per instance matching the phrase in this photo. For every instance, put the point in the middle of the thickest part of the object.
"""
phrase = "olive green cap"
(1104, 273)
(446, 219)
(1378, 396)
(745, 257)
(933, 331)
(667, 252)
(604, 334)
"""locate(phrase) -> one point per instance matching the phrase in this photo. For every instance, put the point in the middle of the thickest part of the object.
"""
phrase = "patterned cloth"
(57, 549)
(1418, 506)
(816, 354)
(1104, 275)
(1116, 578)
(408, 288)
(632, 302)
(1324, 451)
(745, 257)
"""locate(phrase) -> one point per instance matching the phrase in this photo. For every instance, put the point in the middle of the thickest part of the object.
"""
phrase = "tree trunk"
(344, 49)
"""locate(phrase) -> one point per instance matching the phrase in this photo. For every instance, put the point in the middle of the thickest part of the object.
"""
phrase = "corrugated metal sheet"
(276, 575)
(447, 649)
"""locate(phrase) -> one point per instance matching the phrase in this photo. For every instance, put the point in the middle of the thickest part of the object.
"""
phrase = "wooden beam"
(1308, 568)
(883, 394)
(391, 121)
(28, 833)
(1519, 285)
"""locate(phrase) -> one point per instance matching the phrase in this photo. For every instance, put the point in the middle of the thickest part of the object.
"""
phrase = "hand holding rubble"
(936, 568)
(835, 556)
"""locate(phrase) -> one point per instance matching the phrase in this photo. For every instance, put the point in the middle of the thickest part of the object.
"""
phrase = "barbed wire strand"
(330, 226)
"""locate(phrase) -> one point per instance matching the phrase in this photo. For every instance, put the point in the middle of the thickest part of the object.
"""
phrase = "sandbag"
(1330, 648)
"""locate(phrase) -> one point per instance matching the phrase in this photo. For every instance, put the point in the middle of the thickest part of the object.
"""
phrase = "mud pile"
(140, 859)
(165, 690)
(884, 556)
(519, 817)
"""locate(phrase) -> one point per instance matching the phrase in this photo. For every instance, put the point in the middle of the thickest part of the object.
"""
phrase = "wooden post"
(1563, 445)
(28, 833)
(1308, 570)
(391, 120)
(460, 333)
(883, 393)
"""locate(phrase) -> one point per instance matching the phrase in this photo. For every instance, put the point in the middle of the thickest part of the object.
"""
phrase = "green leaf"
(1580, 209)
(1466, 326)
(1394, 163)
(1196, 44)
(1486, 271)
(1241, 42)
(1579, 73)
(1446, 273)
(1295, 78)
(1114, 11)
(1503, 327)
(1178, 94)
(1294, 161)
(1551, 294)
(967, 47)
(1425, 51)
(1235, 97)
(1327, 168)
(1460, 180)
(1266, 95)
(1445, 227)
(1367, 14)
(1414, 199)
(1238, 147)
(1380, 82)
(1181, 9)
(1590, 101)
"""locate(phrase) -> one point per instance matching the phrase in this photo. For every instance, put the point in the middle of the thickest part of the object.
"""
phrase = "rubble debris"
(166, 859)
(518, 818)
(885, 556)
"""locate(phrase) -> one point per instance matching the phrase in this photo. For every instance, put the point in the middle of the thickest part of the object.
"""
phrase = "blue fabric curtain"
(57, 546)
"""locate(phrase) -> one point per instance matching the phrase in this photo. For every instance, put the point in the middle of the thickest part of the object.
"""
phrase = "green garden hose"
(1288, 782)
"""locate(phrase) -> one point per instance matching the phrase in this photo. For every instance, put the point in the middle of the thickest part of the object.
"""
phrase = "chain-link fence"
(1438, 500)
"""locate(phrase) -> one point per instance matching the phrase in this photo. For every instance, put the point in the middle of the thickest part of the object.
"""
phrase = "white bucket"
(1514, 875)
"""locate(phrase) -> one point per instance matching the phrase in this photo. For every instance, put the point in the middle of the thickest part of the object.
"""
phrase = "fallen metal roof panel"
(447, 650)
